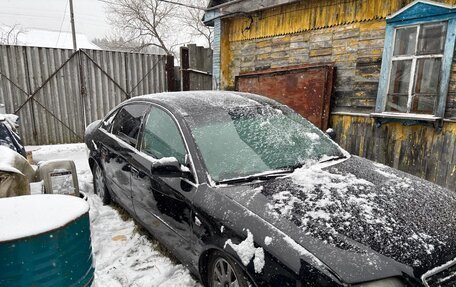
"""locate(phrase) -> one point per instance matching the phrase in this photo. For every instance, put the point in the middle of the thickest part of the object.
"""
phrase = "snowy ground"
(123, 257)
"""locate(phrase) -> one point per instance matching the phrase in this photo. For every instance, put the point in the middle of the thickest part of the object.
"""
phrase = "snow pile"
(125, 258)
(246, 251)
(24, 216)
(122, 256)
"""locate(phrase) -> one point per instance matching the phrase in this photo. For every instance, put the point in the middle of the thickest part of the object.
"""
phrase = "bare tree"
(157, 23)
(146, 21)
(194, 20)
(9, 35)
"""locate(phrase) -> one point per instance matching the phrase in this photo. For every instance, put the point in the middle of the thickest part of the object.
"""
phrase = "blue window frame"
(416, 64)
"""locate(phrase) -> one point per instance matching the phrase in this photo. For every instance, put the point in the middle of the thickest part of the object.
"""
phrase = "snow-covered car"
(243, 191)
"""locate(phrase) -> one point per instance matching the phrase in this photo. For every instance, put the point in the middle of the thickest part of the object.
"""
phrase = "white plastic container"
(59, 177)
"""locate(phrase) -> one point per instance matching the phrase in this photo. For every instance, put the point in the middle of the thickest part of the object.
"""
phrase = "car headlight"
(389, 282)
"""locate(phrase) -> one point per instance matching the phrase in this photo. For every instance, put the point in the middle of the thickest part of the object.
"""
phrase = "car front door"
(163, 203)
(118, 149)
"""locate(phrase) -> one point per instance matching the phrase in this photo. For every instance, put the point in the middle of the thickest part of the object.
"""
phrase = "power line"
(61, 24)
(185, 5)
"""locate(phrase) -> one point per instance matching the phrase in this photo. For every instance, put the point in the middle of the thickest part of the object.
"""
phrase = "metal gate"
(57, 92)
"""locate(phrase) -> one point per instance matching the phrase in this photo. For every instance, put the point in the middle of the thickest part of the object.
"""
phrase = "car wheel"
(99, 185)
(224, 272)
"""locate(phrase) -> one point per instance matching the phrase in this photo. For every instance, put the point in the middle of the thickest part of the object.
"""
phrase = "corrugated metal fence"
(56, 92)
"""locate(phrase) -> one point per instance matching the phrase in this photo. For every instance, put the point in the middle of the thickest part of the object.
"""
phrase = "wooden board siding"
(311, 15)
(418, 149)
(356, 49)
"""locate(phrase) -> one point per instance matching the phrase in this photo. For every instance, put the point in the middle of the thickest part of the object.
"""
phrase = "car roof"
(196, 102)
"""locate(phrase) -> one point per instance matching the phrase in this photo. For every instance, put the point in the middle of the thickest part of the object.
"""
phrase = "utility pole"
(73, 30)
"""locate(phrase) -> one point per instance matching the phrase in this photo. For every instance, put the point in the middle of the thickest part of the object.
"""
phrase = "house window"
(415, 69)
(416, 62)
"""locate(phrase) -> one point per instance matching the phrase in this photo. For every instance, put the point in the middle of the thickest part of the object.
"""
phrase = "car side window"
(127, 123)
(162, 137)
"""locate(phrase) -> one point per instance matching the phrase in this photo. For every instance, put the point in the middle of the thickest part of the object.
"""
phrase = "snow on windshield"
(243, 141)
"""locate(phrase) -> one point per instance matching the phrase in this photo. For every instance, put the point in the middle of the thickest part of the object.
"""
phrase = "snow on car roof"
(194, 102)
(30, 215)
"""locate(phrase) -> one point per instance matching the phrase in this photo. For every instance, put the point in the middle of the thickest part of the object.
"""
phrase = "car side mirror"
(331, 133)
(169, 167)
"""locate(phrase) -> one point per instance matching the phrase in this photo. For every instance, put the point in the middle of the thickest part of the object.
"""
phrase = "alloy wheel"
(224, 275)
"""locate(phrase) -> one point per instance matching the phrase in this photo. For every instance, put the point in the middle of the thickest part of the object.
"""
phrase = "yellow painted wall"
(309, 15)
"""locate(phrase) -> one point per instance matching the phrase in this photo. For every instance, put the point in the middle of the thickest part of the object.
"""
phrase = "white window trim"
(423, 12)
(414, 59)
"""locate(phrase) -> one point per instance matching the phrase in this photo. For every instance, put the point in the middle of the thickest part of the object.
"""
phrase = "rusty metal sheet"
(306, 89)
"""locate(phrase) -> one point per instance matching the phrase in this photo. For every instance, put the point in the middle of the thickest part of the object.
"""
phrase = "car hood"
(359, 207)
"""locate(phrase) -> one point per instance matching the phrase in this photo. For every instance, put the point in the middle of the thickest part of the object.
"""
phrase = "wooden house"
(382, 74)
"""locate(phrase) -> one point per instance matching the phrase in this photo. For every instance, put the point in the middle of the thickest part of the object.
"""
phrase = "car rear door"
(163, 203)
(118, 149)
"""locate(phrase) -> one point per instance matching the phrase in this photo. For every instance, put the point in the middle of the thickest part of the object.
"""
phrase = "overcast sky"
(90, 15)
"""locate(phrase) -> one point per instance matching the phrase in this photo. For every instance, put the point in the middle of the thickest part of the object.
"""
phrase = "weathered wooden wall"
(355, 49)
(418, 149)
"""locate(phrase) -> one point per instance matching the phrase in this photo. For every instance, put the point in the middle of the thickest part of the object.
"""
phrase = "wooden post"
(170, 73)
(185, 65)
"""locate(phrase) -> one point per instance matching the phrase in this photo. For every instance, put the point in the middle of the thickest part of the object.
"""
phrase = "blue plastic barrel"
(45, 241)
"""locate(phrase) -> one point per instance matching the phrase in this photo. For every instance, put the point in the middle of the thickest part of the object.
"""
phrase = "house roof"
(226, 8)
(52, 39)
(245, 6)
(214, 3)
(420, 9)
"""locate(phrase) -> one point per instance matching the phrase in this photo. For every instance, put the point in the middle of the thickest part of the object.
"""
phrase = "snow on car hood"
(359, 203)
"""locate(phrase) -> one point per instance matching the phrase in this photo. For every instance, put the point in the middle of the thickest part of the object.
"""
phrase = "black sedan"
(244, 191)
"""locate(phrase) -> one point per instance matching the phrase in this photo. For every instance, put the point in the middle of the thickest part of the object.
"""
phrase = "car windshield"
(246, 141)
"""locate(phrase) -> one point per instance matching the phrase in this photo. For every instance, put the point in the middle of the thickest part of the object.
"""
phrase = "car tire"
(99, 185)
(224, 271)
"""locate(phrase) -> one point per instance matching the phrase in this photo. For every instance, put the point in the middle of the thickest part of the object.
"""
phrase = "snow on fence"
(57, 92)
